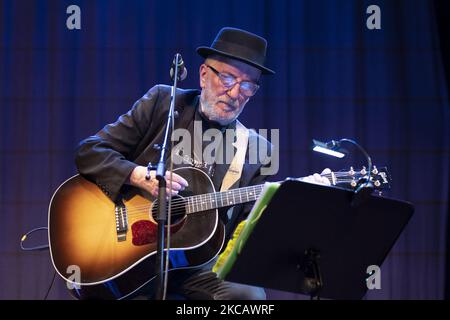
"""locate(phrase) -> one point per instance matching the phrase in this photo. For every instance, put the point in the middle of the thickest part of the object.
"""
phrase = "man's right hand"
(137, 179)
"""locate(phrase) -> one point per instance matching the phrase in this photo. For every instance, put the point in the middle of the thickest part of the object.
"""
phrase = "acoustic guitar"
(106, 250)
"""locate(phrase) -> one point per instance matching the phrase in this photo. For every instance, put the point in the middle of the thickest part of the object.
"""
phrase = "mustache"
(232, 103)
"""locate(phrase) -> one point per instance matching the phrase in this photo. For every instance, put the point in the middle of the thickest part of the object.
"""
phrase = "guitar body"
(99, 262)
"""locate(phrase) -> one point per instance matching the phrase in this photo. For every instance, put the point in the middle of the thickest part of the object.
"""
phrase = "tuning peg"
(353, 183)
(375, 170)
(351, 172)
(377, 183)
(363, 171)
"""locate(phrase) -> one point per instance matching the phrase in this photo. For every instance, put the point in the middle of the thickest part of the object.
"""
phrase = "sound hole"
(178, 209)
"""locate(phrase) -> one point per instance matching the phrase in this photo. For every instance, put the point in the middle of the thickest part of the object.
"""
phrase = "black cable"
(24, 237)
(37, 248)
(51, 285)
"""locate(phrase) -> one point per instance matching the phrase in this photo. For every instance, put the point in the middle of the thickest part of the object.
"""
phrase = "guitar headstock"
(379, 176)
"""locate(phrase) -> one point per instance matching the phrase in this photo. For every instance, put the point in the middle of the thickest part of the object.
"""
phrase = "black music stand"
(311, 240)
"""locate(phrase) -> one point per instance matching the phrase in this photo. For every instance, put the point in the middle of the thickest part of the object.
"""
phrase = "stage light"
(327, 148)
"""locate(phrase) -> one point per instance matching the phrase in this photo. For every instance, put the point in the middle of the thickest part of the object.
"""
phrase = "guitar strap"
(237, 164)
(234, 172)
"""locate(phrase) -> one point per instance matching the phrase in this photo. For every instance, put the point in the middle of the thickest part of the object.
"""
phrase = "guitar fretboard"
(222, 199)
(232, 197)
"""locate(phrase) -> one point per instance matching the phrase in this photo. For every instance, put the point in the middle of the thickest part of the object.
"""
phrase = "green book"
(234, 247)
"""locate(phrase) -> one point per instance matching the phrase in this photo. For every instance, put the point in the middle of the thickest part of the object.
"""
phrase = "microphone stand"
(161, 217)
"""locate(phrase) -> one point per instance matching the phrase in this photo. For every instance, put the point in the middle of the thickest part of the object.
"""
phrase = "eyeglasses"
(247, 88)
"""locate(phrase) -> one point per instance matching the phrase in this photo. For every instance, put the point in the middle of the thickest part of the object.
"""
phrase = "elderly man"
(116, 158)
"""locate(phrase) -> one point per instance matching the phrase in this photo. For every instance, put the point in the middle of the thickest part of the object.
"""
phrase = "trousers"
(203, 284)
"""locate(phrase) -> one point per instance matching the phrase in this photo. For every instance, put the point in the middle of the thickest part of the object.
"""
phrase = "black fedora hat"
(241, 45)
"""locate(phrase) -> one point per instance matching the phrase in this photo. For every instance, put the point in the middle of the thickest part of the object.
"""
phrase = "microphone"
(182, 71)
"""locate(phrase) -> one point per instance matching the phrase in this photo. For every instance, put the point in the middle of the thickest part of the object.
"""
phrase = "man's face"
(218, 103)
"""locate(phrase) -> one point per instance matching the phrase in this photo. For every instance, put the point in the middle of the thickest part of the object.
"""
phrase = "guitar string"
(182, 203)
(145, 214)
(233, 191)
(146, 211)
(174, 214)
(198, 201)
(180, 210)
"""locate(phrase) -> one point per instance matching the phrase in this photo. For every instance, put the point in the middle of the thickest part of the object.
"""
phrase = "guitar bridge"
(121, 222)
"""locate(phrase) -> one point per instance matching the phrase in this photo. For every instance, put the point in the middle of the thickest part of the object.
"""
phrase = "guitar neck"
(233, 197)
(222, 199)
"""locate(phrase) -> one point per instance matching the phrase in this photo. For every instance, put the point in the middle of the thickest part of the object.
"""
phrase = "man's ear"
(202, 74)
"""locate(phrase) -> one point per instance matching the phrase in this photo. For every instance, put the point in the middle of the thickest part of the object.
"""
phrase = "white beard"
(210, 113)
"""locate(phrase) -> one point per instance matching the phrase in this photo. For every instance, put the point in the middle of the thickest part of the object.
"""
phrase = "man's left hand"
(319, 178)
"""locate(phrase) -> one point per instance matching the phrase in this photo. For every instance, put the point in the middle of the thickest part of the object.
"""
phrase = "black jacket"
(109, 157)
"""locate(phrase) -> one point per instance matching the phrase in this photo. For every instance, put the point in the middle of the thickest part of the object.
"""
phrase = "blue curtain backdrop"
(335, 78)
